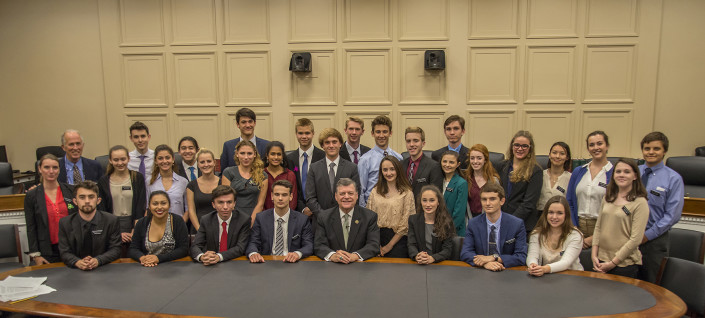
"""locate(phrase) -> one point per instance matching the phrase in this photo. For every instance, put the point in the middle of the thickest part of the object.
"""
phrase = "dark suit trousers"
(652, 252)
(399, 250)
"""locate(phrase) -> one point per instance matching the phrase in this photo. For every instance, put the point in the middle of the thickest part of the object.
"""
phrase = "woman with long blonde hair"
(247, 178)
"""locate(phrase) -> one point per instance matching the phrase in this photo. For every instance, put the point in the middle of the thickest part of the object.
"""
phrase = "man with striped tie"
(223, 233)
(280, 231)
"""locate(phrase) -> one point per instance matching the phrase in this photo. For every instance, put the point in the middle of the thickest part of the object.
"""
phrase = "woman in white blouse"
(554, 244)
(557, 174)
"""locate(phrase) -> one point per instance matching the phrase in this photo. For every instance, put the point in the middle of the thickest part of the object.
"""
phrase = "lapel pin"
(357, 221)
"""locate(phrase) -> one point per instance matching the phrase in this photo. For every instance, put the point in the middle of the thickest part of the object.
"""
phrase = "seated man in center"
(224, 232)
(346, 233)
(280, 231)
(494, 240)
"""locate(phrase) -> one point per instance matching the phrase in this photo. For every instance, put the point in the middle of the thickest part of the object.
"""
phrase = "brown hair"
(493, 187)
(329, 132)
(638, 189)
(568, 164)
(138, 125)
(245, 112)
(542, 226)
(655, 136)
(86, 184)
(41, 161)
(155, 168)
(382, 120)
(417, 130)
(257, 168)
(110, 169)
(526, 166)
(456, 155)
(357, 120)
(453, 118)
(283, 183)
(442, 223)
(488, 171)
(598, 133)
(400, 181)
(222, 190)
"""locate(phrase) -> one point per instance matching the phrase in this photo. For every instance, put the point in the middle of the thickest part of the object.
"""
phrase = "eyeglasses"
(520, 146)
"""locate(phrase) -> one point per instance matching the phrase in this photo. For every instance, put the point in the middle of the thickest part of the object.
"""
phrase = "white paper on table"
(41, 290)
(32, 282)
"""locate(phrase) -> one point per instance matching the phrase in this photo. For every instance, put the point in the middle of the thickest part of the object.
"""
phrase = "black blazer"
(521, 202)
(362, 239)
(139, 195)
(178, 161)
(92, 170)
(347, 156)
(107, 245)
(416, 242)
(463, 157)
(300, 236)
(207, 238)
(293, 161)
(319, 194)
(37, 220)
(139, 238)
(428, 172)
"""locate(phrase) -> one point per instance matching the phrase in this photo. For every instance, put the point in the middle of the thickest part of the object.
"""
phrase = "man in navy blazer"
(291, 237)
(246, 122)
(87, 169)
(494, 240)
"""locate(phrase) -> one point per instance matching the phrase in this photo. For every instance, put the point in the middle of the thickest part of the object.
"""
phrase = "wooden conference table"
(376, 288)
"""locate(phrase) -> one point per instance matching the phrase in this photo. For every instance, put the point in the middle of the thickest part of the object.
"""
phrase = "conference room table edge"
(668, 304)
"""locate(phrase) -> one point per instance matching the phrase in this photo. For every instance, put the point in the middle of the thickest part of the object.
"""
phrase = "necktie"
(355, 156)
(645, 176)
(193, 173)
(87, 248)
(279, 239)
(224, 238)
(76, 175)
(304, 171)
(142, 168)
(331, 177)
(411, 172)
(346, 228)
(385, 153)
(493, 241)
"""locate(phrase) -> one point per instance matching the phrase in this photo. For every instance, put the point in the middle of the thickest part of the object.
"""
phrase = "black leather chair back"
(6, 183)
(700, 151)
(103, 161)
(496, 159)
(427, 153)
(10, 241)
(54, 150)
(686, 244)
(457, 247)
(685, 279)
(542, 161)
(692, 170)
(586, 260)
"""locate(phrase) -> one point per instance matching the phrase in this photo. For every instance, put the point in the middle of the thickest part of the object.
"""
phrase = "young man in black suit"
(352, 149)
(89, 238)
(280, 231)
(300, 160)
(224, 232)
(73, 167)
(419, 169)
(454, 129)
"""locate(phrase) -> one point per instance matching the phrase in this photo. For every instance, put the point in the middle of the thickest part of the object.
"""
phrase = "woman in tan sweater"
(621, 223)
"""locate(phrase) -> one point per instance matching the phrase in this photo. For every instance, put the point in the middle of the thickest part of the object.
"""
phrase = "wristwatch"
(496, 256)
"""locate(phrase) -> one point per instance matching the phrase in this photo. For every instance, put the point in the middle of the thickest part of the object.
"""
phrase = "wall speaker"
(300, 62)
(434, 60)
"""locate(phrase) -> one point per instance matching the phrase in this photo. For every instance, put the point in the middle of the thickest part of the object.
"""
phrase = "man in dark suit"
(185, 160)
(454, 129)
(419, 169)
(352, 149)
(246, 122)
(494, 240)
(280, 231)
(300, 160)
(78, 167)
(347, 233)
(90, 238)
(223, 233)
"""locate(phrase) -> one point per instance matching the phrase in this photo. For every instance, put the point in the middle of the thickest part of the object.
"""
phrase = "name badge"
(656, 193)
(602, 184)
(560, 189)
(660, 189)
(626, 211)
(510, 241)
(170, 245)
(295, 237)
(97, 232)
(449, 189)
(421, 180)
(126, 188)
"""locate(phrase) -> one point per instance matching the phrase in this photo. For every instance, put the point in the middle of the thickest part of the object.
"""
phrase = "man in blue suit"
(78, 168)
(494, 240)
(246, 122)
(280, 231)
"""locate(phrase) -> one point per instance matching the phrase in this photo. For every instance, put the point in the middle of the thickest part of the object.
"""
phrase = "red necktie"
(224, 238)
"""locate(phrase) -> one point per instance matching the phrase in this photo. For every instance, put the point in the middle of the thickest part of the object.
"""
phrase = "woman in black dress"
(198, 192)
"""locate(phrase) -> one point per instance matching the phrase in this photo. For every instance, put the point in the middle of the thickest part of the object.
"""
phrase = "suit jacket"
(511, 244)
(428, 172)
(522, 200)
(107, 245)
(37, 220)
(363, 237)
(179, 162)
(463, 157)
(207, 238)
(139, 196)
(440, 251)
(319, 194)
(293, 161)
(456, 197)
(92, 170)
(299, 234)
(227, 156)
(140, 236)
(347, 156)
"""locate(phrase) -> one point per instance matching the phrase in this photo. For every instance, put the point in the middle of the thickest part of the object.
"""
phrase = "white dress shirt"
(337, 164)
(590, 192)
(309, 153)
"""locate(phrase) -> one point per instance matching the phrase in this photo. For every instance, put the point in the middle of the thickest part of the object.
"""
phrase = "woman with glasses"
(522, 179)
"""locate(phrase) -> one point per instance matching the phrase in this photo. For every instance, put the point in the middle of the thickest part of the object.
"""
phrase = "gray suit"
(319, 193)
(207, 238)
(107, 243)
(363, 237)
(428, 172)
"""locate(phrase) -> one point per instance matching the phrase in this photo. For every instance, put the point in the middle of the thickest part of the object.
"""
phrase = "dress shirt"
(665, 192)
(187, 171)
(368, 169)
(351, 150)
(134, 163)
(220, 233)
(496, 232)
(590, 193)
(559, 188)
(335, 169)
(342, 223)
(69, 169)
(309, 153)
(177, 192)
(457, 149)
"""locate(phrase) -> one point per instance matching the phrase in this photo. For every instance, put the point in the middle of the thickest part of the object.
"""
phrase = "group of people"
(345, 202)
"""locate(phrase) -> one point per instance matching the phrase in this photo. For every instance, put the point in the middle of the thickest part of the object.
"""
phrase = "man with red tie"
(223, 233)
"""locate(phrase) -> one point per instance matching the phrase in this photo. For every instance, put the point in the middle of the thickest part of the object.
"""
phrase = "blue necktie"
(193, 173)
(645, 176)
(304, 169)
